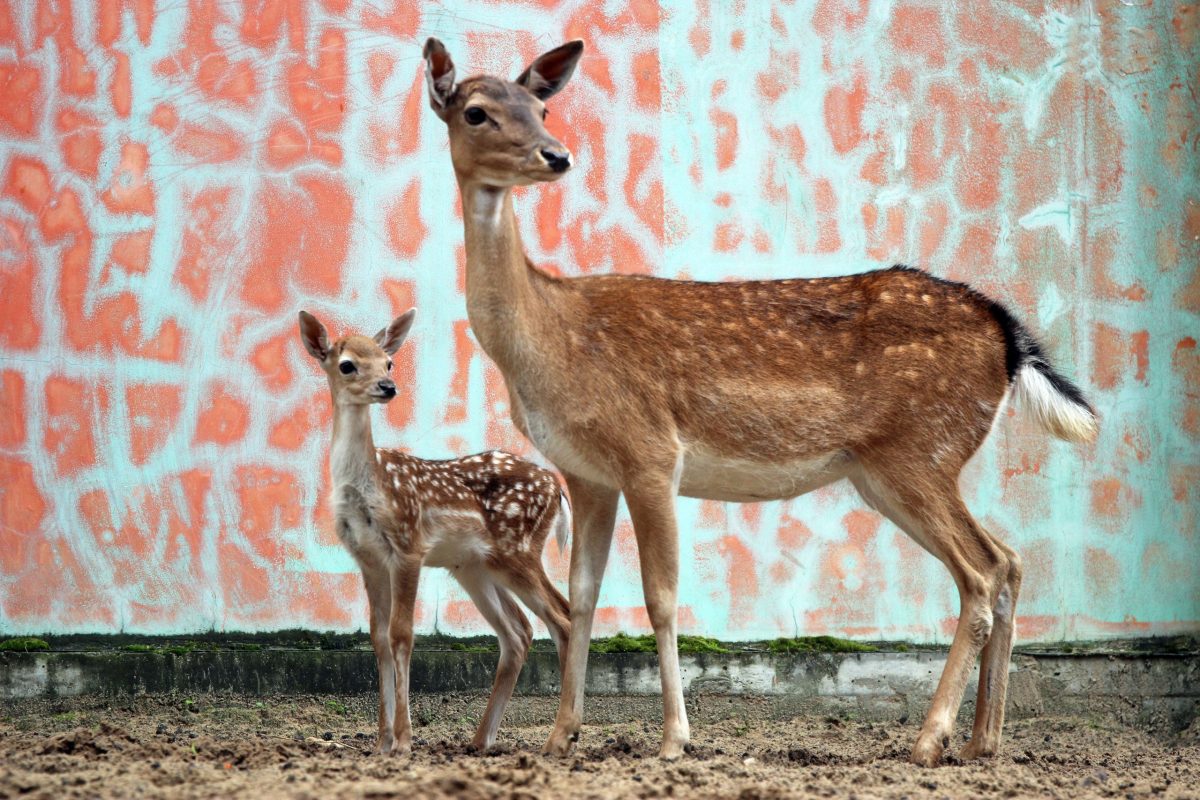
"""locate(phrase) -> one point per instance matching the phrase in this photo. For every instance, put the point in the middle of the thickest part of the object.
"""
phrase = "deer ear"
(312, 333)
(391, 337)
(550, 71)
(439, 75)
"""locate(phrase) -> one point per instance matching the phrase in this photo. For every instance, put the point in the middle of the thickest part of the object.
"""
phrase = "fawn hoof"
(927, 752)
(977, 748)
(671, 751)
(395, 749)
(560, 742)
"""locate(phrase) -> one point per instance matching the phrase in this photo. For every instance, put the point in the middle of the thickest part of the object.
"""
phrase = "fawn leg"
(405, 575)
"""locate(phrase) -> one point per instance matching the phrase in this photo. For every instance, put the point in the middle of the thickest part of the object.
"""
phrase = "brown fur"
(742, 391)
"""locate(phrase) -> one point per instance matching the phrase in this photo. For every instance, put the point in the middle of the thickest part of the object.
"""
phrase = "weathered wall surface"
(177, 179)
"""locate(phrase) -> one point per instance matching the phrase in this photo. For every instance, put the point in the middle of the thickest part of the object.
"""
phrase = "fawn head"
(357, 366)
(497, 130)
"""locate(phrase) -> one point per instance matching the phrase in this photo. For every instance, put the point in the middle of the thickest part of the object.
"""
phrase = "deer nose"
(387, 387)
(557, 160)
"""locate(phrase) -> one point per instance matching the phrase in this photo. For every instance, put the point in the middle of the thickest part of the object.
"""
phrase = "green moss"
(818, 644)
(623, 643)
(463, 647)
(24, 644)
(245, 646)
(137, 648)
(700, 644)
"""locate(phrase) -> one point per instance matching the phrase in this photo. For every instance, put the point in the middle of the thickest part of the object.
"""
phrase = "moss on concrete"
(24, 644)
(818, 644)
(623, 643)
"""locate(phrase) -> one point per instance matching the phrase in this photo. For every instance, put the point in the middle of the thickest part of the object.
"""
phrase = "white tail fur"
(562, 523)
(1055, 411)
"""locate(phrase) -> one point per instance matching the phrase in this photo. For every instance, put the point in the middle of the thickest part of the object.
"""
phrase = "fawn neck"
(352, 450)
(504, 292)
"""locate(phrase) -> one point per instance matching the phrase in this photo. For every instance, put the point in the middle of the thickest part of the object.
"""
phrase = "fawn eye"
(474, 115)
(389, 366)
(347, 367)
(545, 113)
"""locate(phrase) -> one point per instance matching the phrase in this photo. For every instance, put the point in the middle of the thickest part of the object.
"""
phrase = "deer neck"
(504, 292)
(352, 451)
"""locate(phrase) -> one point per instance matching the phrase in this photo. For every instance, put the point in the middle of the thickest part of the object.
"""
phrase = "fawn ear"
(439, 75)
(312, 333)
(550, 71)
(391, 337)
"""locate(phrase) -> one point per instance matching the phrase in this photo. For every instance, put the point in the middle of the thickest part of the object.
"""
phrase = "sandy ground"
(321, 747)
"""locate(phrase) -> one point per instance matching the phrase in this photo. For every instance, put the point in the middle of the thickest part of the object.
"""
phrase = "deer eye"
(474, 115)
(389, 366)
(545, 113)
(347, 367)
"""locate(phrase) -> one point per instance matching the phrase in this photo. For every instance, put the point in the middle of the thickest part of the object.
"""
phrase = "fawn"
(484, 518)
(739, 391)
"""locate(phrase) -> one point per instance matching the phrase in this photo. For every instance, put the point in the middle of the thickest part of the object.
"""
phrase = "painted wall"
(176, 180)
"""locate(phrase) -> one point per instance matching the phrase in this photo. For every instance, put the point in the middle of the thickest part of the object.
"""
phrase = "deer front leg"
(595, 510)
(404, 578)
(652, 507)
(379, 598)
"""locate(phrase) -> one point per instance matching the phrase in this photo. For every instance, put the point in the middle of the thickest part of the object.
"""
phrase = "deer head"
(497, 131)
(357, 366)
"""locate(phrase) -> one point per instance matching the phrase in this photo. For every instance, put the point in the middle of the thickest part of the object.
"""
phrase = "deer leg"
(379, 598)
(405, 576)
(652, 508)
(514, 634)
(928, 507)
(537, 592)
(994, 664)
(595, 514)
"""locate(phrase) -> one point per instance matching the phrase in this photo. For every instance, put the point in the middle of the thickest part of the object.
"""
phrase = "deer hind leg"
(379, 598)
(405, 575)
(514, 634)
(927, 506)
(537, 592)
(652, 508)
(595, 513)
(993, 666)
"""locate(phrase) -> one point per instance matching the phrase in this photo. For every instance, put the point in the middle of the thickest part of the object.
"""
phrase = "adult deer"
(484, 517)
(739, 391)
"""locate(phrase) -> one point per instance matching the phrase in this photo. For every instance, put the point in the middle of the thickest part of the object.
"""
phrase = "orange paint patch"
(20, 328)
(28, 182)
(153, 412)
(223, 419)
(464, 353)
(130, 190)
(121, 88)
(73, 410)
(12, 403)
(22, 507)
(132, 251)
(843, 114)
(271, 360)
(22, 99)
(1102, 571)
(406, 231)
(270, 504)
(646, 80)
(918, 31)
(306, 231)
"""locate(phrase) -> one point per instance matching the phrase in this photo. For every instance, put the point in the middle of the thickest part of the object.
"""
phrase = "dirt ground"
(321, 748)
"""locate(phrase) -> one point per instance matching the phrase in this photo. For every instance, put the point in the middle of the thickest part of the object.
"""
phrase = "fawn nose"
(558, 160)
(387, 388)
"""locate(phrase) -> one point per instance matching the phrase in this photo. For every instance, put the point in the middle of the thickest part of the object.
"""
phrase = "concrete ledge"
(1155, 689)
